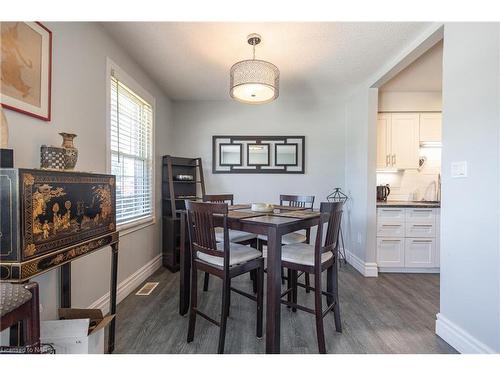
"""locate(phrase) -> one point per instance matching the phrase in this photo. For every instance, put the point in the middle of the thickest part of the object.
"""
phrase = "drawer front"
(420, 230)
(420, 253)
(390, 252)
(391, 214)
(390, 229)
(419, 215)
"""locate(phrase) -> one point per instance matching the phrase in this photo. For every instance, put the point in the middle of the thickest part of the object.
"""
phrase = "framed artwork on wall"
(26, 64)
(258, 154)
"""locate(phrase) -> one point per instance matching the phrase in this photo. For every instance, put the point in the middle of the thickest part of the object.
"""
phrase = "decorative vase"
(71, 150)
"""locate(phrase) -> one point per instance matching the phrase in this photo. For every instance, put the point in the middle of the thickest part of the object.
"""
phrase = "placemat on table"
(299, 214)
(238, 207)
(236, 214)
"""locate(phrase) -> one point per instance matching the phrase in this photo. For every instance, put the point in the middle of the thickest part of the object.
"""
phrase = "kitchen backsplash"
(411, 185)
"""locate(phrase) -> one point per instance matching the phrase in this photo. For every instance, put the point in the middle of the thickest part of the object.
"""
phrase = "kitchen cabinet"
(398, 140)
(408, 239)
(430, 127)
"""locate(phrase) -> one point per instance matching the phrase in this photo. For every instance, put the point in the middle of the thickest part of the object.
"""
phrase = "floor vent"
(147, 289)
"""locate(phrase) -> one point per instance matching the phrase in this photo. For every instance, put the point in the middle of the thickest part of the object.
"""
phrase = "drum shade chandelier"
(254, 81)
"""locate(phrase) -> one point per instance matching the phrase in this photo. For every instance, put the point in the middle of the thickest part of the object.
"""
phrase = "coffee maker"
(383, 192)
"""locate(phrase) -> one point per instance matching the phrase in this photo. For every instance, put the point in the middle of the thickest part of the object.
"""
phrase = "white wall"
(79, 106)
(410, 101)
(322, 123)
(469, 317)
(360, 179)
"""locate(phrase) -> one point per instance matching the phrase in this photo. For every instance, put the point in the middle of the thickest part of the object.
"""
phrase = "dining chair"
(299, 201)
(236, 236)
(224, 259)
(19, 303)
(314, 259)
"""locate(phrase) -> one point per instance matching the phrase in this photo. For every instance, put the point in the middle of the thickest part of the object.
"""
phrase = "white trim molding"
(366, 269)
(461, 340)
(128, 285)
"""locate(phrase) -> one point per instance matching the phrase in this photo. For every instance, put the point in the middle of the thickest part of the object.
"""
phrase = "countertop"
(409, 204)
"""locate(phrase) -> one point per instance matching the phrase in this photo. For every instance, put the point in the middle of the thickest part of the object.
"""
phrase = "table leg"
(185, 268)
(65, 289)
(273, 307)
(112, 299)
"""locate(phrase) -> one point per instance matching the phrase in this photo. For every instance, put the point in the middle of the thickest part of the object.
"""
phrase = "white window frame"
(127, 80)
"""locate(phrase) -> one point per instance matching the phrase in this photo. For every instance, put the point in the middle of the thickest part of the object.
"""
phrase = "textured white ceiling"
(424, 74)
(191, 61)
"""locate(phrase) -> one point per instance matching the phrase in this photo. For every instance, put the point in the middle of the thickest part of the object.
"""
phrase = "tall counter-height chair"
(221, 259)
(314, 259)
(19, 303)
(299, 201)
(236, 236)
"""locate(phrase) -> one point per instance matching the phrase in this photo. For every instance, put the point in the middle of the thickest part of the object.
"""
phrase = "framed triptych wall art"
(26, 63)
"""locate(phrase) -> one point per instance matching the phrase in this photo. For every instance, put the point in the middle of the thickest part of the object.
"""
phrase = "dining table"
(280, 221)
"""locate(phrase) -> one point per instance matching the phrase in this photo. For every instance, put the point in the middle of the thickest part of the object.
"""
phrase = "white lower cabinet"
(408, 239)
(420, 252)
(390, 252)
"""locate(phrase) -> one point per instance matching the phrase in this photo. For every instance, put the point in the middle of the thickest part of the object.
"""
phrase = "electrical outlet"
(459, 169)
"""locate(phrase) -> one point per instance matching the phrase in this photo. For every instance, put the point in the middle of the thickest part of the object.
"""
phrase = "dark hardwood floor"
(394, 313)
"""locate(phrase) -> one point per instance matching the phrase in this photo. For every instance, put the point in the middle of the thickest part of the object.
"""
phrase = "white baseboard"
(128, 285)
(366, 269)
(408, 270)
(461, 340)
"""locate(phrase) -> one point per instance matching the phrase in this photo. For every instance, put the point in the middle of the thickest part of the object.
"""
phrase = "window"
(131, 147)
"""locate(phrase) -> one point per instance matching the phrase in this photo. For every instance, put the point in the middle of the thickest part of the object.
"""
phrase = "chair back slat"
(333, 221)
(219, 198)
(200, 218)
(300, 201)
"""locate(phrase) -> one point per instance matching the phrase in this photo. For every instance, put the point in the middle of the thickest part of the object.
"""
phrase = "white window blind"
(131, 153)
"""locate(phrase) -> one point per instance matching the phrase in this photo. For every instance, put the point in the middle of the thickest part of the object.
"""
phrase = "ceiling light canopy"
(254, 81)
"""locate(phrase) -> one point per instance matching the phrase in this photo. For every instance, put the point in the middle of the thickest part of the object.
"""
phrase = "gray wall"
(79, 106)
(470, 252)
(321, 122)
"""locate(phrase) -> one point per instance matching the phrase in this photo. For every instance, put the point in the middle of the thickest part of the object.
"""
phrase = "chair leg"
(193, 304)
(294, 289)
(335, 290)
(205, 281)
(308, 282)
(253, 277)
(318, 307)
(260, 299)
(282, 275)
(226, 290)
(289, 285)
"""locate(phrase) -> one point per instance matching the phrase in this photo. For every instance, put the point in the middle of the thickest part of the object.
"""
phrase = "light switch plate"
(459, 169)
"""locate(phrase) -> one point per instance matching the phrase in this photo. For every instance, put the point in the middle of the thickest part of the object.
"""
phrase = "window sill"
(128, 228)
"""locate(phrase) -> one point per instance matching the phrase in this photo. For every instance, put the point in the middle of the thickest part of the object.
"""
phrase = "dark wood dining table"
(282, 220)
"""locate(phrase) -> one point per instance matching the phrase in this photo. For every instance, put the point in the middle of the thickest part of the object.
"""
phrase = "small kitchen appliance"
(383, 192)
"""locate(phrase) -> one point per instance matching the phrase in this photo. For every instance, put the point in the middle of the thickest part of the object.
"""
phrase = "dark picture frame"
(239, 145)
(245, 168)
(268, 163)
(295, 163)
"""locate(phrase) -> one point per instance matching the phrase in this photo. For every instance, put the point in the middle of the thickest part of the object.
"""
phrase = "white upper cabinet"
(398, 140)
(383, 140)
(405, 140)
(430, 127)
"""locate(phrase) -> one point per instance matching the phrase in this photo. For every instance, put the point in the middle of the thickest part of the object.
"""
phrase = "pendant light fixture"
(254, 81)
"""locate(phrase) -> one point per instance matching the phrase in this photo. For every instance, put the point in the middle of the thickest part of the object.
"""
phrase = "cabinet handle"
(422, 210)
(422, 241)
(387, 160)
(393, 159)
(391, 225)
(422, 225)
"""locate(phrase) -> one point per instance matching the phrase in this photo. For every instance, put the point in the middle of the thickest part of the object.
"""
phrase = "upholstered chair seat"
(234, 235)
(288, 239)
(237, 254)
(303, 254)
